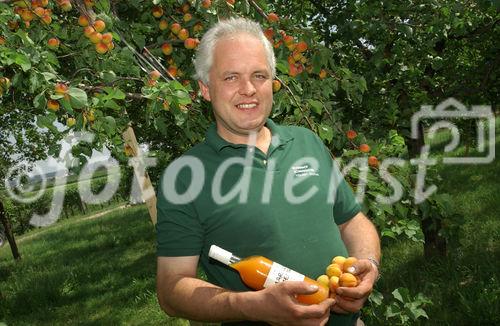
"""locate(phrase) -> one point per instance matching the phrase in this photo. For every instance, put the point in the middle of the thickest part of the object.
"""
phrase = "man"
(255, 188)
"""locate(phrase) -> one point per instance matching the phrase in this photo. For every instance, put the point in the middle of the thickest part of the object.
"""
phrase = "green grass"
(89, 272)
(465, 286)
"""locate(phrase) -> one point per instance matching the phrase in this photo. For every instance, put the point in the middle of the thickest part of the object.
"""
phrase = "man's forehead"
(237, 36)
(222, 53)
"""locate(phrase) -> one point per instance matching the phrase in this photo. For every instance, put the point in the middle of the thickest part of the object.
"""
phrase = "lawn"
(87, 272)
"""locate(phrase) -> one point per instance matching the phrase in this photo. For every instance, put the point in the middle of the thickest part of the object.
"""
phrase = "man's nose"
(247, 87)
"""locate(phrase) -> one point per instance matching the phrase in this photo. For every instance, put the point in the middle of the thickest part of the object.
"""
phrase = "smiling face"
(240, 87)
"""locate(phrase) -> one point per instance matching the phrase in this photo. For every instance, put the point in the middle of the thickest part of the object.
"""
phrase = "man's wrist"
(375, 263)
(239, 302)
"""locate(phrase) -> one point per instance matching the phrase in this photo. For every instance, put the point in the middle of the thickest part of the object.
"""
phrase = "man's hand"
(362, 240)
(278, 305)
(351, 299)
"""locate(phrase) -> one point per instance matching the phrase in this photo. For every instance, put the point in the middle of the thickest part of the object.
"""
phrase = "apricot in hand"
(348, 280)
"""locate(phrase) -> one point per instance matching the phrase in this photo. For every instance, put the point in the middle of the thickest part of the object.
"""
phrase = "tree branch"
(289, 90)
(259, 9)
(91, 88)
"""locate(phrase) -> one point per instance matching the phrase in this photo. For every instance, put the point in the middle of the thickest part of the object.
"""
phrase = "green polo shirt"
(284, 205)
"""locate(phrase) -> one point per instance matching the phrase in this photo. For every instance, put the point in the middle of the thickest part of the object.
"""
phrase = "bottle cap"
(220, 254)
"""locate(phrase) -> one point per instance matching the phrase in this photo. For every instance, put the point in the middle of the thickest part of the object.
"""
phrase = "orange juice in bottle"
(258, 272)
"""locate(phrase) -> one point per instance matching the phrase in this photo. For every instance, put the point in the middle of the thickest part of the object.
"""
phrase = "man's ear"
(204, 90)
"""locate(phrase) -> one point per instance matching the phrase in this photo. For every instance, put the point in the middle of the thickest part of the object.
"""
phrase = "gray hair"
(204, 55)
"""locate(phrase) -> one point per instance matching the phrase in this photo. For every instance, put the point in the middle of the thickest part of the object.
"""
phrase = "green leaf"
(22, 61)
(397, 295)
(277, 107)
(108, 76)
(408, 30)
(350, 152)
(112, 105)
(282, 66)
(388, 233)
(54, 149)
(24, 37)
(419, 312)
(102, 5)
(400, 294)
(387, 208)
(51, 58)
(116, 37)
(160, 125)
(325, 132)
(139, 39)
(78, 97)
(392, 311)
(376, 298)
(317, 62)
(47, 121)
(182, 97)
(156, 106)
(402, 210)
(316, 105)
(114, 93)
(246, 7)
(328, 87)
(49, 76)
(41, 121)
(179, 115)
(34, 83)
(40, 101)
(362, 84)
(66, 105)
(109, 125)
(175, 85)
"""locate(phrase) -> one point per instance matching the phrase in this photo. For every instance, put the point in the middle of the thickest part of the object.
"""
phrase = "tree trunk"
(415, 144)
(435, 244)
(82, 206)
(8, 233)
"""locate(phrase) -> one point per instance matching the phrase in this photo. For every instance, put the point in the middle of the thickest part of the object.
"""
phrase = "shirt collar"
(280, 134)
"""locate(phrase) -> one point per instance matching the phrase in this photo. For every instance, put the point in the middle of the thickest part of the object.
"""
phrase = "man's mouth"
(246, 105)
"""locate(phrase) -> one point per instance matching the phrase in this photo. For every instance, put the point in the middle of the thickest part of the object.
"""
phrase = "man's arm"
(181, 294)
(360, 237)
(362, 241)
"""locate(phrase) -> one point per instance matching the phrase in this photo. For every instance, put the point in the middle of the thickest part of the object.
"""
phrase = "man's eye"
(259, 76)
(229, 78)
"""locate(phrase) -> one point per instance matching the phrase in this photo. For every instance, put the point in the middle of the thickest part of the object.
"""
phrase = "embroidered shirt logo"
(304, 171)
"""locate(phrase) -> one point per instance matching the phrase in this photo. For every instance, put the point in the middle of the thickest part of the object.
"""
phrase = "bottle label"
(280, 273)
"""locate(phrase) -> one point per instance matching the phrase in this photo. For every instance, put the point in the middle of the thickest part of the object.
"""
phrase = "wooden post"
(145, 185)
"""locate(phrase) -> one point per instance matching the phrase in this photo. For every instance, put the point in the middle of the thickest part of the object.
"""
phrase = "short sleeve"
(345, 205)
(178, 229)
